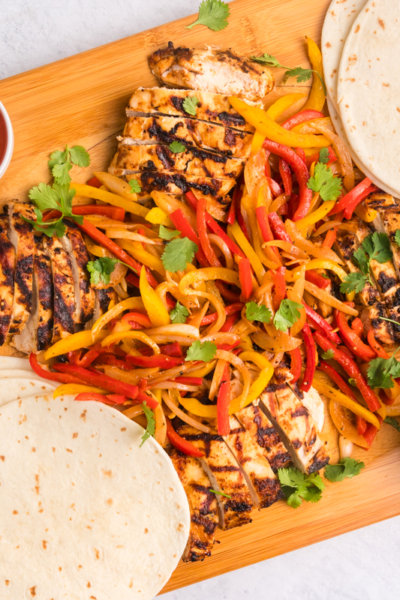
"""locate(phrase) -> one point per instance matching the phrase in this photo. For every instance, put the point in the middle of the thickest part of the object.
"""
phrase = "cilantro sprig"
(397, 237)
(347, 467)
(381, 372)
(393, 422)
(135, 186)
(299, 73)
(213, 14)
(204, 351)
(324, 182)
(190, 105)
(61, 162)
(151, 423)
(258, 313)
(178, 253)
(100, 269)
(179, 313)
(168, 234)
(323, 156)
(287, 314)
(297, 486)
(328, 355)
(176, 147)
(375, 247)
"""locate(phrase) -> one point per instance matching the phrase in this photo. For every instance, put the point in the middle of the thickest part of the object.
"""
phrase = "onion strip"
(324, 296)
(182, 415)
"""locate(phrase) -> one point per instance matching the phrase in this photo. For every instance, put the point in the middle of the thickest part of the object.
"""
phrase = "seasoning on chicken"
(214, 108)
(191, 132)
(265, 435)
(192, 161)
(7, 268)
(213, 70)
(225, 475)
(202, 504)
(44, 284)
(261, 480)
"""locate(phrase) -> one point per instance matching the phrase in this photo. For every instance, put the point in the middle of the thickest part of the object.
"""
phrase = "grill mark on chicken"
(80, 257)
(43, 276)
(177, 183)
(7, 268)
(105, 297)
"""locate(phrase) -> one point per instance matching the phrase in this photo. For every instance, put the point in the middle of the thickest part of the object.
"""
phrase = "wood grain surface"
(81, 100)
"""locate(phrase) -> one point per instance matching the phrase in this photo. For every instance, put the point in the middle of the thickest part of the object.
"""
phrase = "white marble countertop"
(362, 565)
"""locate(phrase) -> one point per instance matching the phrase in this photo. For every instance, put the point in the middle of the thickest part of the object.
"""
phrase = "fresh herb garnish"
(299, 73)
(178, 253)
(61, 162)
(190, 105)
(353, 282)
(375, 247)
(393, 422)
(220, 494)
(177, 147)
(287, 314)
(151, 423)
(213, 14)
(324, 155)
(347, 467)
(382, 370)
(328, 355)
(324, 182)
(179, 313)
(397, 237)
(201, 351)
(168, 234)
(56, 197)
(135, 186)
(100, 269)
(258, 313)
(352, 382)
(297, 486)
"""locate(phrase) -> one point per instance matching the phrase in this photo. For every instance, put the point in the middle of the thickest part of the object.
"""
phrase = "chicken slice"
(45, 300)
(213, 70)
(261, 480)
(7, 269)
(264, 434)
(202, 504)
(21, 236)
(191, 132)
(225, 475)
(387, 221)
(213, 108)
(295, 426)
(192, 161)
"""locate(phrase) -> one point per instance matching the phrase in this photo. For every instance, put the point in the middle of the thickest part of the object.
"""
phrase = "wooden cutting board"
(81, 100)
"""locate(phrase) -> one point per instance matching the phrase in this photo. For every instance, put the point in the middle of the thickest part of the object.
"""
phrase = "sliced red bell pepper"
(301, 117)
(358, 327)
(189, 380)
(133, 279)
(320, 324)
(352, 199)
(226, 293)
(300, 169)
(265, 228)
(237, 194)
(173, 349)
(203, 236)
(301, 154)
(351, 339)
(228, 347)
(370, 433)
(59, 377)
(245, 278)
(278, 228)
(279, 289)
(295, 364)
(376, 347)
(229, 310)
(76, 358)
(163, 361)
(136, 317)
(293, 205)
(351, 369)
(274, 186)
(182, 224)
(113, 212)
(317, 279)
(113, 361)
(223, 401)
(94, 182)
(310, 358)
(286, 175)
(180, 443)
(229, 323)
(385, 399)
(111, 399)
(330, 238)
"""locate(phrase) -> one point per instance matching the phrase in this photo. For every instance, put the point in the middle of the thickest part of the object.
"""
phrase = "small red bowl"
(6, 140)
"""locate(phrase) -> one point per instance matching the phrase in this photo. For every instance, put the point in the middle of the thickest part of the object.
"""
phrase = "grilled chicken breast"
(213, 108)
(295, 426)
(21, 236)
(213, 70)
(387, 221)
(7, 268)
(261, 480)
(225, 475)
(202, 504)
(45, 296)
(191, 132)
(193, 161)
(265, 435)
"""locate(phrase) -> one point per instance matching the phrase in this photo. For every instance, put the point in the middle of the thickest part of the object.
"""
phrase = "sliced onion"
(219, 242)
(196, 319)
(217, 376)
(279, 342)
(254, 171)
(239, 365)
(133, 411)
(278, 202)
(309, 247)
(166, 339)
(188, 367)
(121, 292)
(173, 385)
(324, 296)
(287, 247)
(132, 377)
(221, 338)
(183, 416)
(129, 235)
(331, 224)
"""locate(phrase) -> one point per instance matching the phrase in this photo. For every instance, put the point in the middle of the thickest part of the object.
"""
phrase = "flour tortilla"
(15, 388)
(13, 362)
(84, 512)
(369, 90)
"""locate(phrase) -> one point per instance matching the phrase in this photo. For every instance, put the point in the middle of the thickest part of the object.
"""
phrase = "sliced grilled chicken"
(7, 268)
(261, 480)
(202, 504)
(21, 236)
(26, 341)
(264, 434)
(213, 108)
(45, 300)
(345, 246)
(387, 221)
(295, 426)
(225, 475)
(191, 132)
(65, 317)
(193, 162)
(179, 183)
(84, 294)
(211, 69)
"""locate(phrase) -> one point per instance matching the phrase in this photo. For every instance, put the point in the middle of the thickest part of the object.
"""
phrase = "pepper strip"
(180, 443)
(182, 224)
(91, 192)
(144, 257)
(317, 279)
(321, 325)
(351, 339)
(204, 239)
(302, 117)
(266, 233)
(113, 313)
(286, 175)
(60, 378)
(311, 356)
(156, 310)
(223, 401)
(245, 278)
(131, 335)
(75, 388)
(295, 364)
(255, 262)
(348, 203)
(279, 290)
(376, 347)
(316, 99)
(316, 215)
(278, 228)
(282, 104)
(76, 341)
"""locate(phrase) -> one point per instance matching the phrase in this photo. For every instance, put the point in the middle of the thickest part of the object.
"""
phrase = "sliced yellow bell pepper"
(156, 310)
(131, 335)
(116, 185)
(366, 214)
(344, 425)
(75, 388)
(76, 341)
(257, 142)
(207, 274)
(114, 312)
(316, 99)
(91, 192)
(265, 125)
(142, 256)
(319, 263)
(246, 344)
(256, 358)
(203, 371)
(282, 104)
(157, 216)
(316, 216)
(235, 232)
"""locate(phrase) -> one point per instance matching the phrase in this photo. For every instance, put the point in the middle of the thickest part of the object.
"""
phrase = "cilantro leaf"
(299, 73)
(168, 234)
(220, 493)
(361, 261)
(393, 422)
(201, 351)
(323, 182)
(381, 370)
(347, 467)
(177, 147)
(287, 314)
(352, 382)
(377, 246)
(66, 196)
(268, 60)
(328, 355)
(213, 14)
(135, 186)
(179, 313)
(60, 165)
(189, 105)
(324, 156)
(397, 237)
(79, 156)
(151, 423)
(101, 269)
(258, 313)
(353, 282)
(49, 228)
(297, 486)
(178, 253)
(45, 197)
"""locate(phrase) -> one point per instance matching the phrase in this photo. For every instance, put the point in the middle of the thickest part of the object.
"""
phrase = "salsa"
(3, 138)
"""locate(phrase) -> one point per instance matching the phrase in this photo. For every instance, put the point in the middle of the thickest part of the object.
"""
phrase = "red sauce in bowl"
(3, 137)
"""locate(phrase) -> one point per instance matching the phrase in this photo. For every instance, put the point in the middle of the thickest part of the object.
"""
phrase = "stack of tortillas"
(360, 47)
(85, 512)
